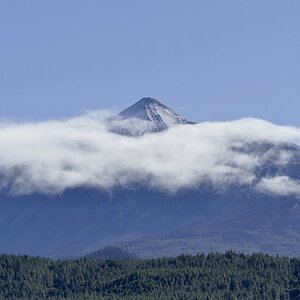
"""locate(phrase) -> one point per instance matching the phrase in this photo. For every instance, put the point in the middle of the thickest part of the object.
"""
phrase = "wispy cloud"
(52, 156)
(279, 185)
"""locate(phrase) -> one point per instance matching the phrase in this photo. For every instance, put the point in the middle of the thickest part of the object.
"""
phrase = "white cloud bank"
(54, 155)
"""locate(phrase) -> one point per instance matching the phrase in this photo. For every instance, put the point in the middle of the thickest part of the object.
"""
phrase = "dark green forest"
(212, 276)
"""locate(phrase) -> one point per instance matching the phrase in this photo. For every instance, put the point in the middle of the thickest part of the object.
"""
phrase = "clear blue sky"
(209, 60)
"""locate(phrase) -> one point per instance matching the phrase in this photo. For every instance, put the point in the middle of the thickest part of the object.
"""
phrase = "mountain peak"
(150, 109)
(146, 115)
(148, 100)
(141, 108)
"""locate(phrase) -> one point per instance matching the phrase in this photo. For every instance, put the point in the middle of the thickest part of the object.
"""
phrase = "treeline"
(213, 276)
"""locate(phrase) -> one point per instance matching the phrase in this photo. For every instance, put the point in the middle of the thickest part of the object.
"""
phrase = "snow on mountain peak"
(157, 115)
(146, 115)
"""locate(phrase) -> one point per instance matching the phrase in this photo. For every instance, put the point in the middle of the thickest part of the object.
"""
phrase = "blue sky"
(209, 60)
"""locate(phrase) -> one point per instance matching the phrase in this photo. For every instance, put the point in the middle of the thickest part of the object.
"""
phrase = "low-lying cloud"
(280, 185)
(52, 156)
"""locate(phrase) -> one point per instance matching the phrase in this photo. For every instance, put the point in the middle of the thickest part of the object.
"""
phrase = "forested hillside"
(213, 276)
(111, 252)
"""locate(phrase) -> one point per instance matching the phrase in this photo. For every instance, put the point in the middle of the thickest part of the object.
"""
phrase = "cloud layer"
(55, 155)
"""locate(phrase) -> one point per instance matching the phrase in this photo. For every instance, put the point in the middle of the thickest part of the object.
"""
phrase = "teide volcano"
(152, 222)
(145, 116)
